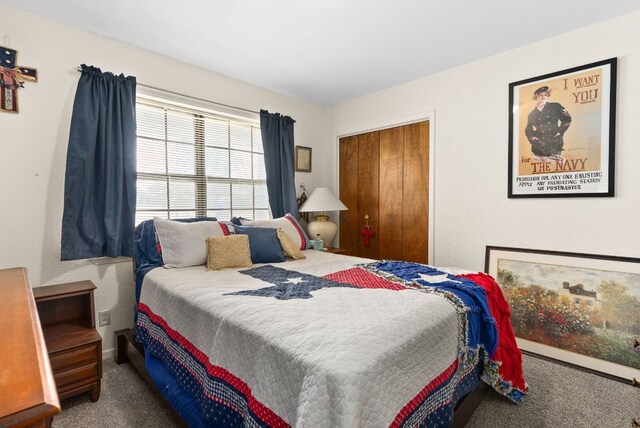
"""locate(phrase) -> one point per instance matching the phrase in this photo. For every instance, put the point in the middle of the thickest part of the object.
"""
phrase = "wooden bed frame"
(127, 349)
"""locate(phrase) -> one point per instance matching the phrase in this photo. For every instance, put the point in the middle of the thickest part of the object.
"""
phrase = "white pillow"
(185, 244)
(288, 224)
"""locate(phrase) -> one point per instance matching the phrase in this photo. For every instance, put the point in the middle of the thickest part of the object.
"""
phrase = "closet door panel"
(391, 183)
(385, 174)
(415, 216)
(349, 230)
(368, 156)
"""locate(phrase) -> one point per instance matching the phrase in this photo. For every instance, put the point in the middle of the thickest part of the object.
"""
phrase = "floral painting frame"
(579, 309)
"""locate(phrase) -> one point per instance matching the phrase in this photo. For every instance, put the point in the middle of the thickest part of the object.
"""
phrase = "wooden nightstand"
(336, 250)
(67, 316)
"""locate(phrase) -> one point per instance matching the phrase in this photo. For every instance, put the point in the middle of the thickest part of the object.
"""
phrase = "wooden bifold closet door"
(385, 175)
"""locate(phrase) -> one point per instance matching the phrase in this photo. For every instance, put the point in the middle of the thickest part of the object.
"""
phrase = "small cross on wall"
(12, 77)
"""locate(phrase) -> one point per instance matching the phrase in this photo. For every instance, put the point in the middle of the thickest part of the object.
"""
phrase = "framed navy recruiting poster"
(562, 133)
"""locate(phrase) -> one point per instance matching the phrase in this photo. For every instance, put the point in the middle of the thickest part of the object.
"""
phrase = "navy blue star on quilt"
(289, 284)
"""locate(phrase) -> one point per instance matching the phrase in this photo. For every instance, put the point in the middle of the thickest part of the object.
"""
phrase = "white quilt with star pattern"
(344, 357)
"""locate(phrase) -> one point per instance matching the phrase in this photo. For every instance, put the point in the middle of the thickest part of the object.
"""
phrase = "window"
(194, 163)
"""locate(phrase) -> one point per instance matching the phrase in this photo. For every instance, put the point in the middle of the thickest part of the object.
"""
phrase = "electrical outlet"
(104, 318)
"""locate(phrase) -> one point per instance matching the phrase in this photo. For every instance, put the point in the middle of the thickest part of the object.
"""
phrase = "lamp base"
(323, 228)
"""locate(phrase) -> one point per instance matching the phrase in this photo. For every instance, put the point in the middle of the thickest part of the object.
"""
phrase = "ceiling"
(328, 51)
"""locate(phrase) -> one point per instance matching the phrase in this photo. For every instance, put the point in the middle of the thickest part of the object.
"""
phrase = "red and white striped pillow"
(288, 224)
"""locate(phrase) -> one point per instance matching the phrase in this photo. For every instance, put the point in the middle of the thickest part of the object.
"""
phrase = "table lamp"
(322, 199)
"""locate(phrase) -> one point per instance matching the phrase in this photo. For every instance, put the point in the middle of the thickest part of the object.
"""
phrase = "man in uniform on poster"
(546, 126)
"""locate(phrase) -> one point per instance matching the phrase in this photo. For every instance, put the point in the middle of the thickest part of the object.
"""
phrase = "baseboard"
(108, 354)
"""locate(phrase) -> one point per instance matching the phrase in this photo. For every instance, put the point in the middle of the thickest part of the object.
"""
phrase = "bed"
(326, 341)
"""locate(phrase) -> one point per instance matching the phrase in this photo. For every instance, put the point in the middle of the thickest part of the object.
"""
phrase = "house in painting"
(579, 295)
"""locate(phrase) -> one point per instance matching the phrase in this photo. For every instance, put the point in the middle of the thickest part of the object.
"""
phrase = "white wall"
(33, 145)
(471, 111)
(471, 139)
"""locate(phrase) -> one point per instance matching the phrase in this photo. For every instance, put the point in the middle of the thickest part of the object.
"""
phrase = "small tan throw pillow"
(228, 251)
(289, 247)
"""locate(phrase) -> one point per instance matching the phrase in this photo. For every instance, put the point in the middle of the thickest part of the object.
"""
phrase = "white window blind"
(192, 163)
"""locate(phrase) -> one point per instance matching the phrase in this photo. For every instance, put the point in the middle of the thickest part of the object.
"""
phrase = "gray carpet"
(558, 397)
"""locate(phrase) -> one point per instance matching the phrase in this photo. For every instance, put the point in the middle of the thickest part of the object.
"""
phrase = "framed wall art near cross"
(303, 159)
(562, 133)
(580, 309)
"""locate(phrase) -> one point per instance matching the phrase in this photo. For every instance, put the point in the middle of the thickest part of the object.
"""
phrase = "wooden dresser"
(28, 395)
(69, 327)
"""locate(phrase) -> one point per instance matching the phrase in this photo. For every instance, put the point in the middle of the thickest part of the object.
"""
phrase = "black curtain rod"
(192, 97)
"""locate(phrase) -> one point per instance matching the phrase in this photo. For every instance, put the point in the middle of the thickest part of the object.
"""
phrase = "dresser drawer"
(74, 357)
(78, 374)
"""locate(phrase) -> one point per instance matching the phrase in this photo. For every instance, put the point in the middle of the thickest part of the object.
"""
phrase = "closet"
(384, 181)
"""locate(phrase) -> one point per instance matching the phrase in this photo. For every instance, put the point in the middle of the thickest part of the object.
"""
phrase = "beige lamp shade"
(322, 200)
